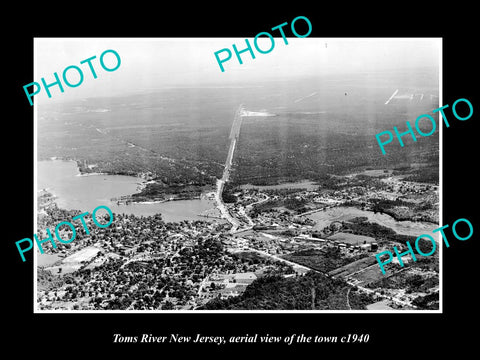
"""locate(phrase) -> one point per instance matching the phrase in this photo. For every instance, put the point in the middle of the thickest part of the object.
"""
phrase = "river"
(85, 193)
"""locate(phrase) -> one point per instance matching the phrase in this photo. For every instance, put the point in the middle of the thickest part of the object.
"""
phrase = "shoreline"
(91, 174)
(150, 202)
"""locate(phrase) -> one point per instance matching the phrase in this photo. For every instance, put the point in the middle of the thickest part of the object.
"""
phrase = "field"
(370, 275)
(411, 280)
(322, 260)
(83, 255)
(343, 213)
(75, 261)
(379, 305)
(353, 267)
(351, 239)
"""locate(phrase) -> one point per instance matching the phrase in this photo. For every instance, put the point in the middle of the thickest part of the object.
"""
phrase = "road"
(234, 134)
(264, 253)
(348, 301)
(391, 97)
(349, 282)
(223, 208)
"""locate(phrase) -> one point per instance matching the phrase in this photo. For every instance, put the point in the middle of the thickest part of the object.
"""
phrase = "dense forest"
(164, 191)
(310, 292)
(359, 226)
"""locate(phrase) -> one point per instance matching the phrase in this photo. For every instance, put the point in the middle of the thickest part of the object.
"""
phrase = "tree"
(168, 306)
(228, 197)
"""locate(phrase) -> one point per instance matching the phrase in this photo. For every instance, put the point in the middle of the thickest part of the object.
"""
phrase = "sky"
(155, 63)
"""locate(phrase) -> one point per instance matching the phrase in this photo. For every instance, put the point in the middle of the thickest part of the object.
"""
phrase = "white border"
(440, 177)
(439, 311)
(35, 194)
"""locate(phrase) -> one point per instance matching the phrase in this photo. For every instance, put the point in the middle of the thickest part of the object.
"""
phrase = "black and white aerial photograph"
(258, 188)
(215, 180)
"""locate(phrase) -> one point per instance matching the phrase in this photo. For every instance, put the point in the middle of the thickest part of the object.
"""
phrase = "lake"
(85, 193)
(344, 213)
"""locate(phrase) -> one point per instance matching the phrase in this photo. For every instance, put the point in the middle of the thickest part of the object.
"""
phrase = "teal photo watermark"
(420, 251)
(68, 73)
(399, 135)
(228, 54)
(50, 238)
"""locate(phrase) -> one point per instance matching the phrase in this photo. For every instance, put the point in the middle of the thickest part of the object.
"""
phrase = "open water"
(85, 193)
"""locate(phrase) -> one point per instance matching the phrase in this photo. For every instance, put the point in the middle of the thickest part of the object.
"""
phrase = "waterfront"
(85, 193)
